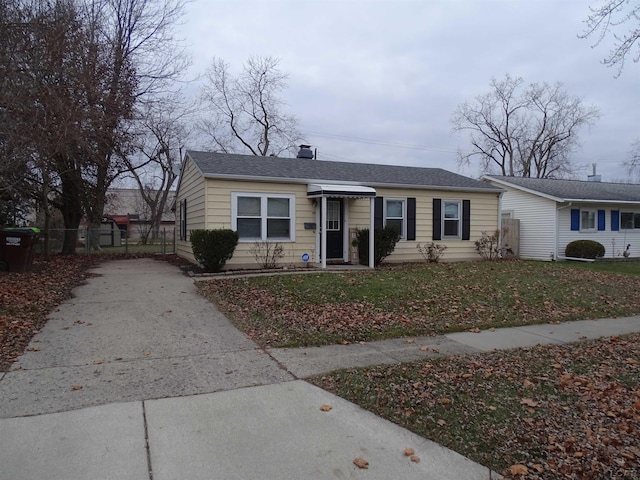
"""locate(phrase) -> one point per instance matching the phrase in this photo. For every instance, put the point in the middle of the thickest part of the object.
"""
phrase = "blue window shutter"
(378, 213)
(615, 221)
(411, 218)
(601, 221)
(575, 219)
(437, 219)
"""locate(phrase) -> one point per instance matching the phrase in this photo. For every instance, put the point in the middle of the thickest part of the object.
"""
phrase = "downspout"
(500, 222)
(557, 229)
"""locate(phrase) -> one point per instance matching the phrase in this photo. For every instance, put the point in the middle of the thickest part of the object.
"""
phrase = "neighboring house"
(284, 200)
(553, 213)
(128, 210)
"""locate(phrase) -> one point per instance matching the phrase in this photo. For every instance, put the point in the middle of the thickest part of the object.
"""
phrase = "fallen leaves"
(326, 408)
(27, 298)
(361, 463)
(408, 452)
(359, 307)
(76, 387)
(558, 411)
(518, 469)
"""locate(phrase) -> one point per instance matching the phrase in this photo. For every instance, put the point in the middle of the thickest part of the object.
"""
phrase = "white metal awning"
(315, 190)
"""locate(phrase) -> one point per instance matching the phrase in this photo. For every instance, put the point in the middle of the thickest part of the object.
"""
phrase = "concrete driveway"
(138, 377)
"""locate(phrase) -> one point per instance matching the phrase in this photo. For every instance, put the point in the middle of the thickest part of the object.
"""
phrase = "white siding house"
(287, 200)
(553, 213)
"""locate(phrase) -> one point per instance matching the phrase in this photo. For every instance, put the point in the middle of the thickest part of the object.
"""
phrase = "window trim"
(264, 215)
(459, 220)
(403, 234)
(595, 220)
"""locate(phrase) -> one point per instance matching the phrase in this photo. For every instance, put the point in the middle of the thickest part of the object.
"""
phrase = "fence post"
(126, 243)
(87, 240)
(164, 241)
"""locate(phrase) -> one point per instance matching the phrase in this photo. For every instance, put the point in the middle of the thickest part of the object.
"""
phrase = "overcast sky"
(393, 72)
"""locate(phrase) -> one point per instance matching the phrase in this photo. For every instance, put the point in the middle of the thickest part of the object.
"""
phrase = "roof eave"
(255, 178)
(524, 189)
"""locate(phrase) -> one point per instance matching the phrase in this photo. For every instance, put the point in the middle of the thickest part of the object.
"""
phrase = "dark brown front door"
(333, 224)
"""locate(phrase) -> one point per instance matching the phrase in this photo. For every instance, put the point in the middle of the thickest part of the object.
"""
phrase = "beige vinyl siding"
(537, 217)
(192, 189)
(219, 209)
(484, 218)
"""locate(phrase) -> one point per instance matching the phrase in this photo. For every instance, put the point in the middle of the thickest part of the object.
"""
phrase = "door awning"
(344, 191)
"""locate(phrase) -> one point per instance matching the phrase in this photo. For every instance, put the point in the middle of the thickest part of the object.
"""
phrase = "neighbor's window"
(261, 216)
(629, 220)
(395, 214)
(451, 218)
(587, 220)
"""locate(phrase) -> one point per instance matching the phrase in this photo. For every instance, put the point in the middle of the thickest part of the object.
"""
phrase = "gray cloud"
(394, 71)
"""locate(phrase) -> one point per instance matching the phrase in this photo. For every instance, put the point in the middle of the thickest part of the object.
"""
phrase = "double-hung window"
(451, 218)
(263, 216)
(395, 214)
(587, 220)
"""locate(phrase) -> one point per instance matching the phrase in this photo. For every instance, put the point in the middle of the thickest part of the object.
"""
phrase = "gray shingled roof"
(572, 190)
(305, 170)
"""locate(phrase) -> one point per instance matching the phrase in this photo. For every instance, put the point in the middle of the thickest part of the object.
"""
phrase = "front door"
(335, 236)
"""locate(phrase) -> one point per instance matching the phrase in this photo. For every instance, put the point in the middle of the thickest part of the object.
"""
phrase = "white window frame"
(458, 236)
(263, 215)
(403, 234)
(329, 220)
(589, 211)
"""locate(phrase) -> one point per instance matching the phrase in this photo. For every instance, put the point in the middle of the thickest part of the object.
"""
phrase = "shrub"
(267, 254)
(431, 251)
(487, 246)
(584, 249)
(385, 240)
(212, 248)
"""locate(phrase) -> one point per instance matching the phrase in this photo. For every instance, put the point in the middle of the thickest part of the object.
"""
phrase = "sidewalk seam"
(146, 440)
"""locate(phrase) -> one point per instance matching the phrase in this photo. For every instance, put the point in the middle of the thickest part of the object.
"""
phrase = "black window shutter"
(378, 212)
(411, 218)
(437, 219)
(466, 219)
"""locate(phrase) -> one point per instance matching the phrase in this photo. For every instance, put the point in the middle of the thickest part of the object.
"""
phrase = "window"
(333, 215)
(451, 218)
(394, 214)
(629, 220)
(587, 220)
(261, 216)
(183, 219)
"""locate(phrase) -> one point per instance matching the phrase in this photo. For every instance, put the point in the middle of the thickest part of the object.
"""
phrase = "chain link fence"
(109, 241)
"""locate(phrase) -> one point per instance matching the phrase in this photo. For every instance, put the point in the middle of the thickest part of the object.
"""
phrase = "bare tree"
(246, 113)
(523, 132)
(165, 125)
(74, 71)
(633, 161)
(609, 19)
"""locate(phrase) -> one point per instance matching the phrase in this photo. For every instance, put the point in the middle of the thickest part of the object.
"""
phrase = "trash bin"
(16, 248)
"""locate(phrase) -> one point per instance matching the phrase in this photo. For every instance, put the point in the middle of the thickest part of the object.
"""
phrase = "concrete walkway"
(138, 377)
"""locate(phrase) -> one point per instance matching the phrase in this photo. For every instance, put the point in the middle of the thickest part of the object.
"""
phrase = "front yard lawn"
(397, 301)
(555, 412)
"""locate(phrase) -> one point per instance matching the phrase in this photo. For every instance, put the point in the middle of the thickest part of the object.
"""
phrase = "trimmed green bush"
(212, 248)
(584, 249)
(385, 240)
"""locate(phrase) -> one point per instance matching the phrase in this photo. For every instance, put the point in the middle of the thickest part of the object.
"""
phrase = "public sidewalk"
(139, 377)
